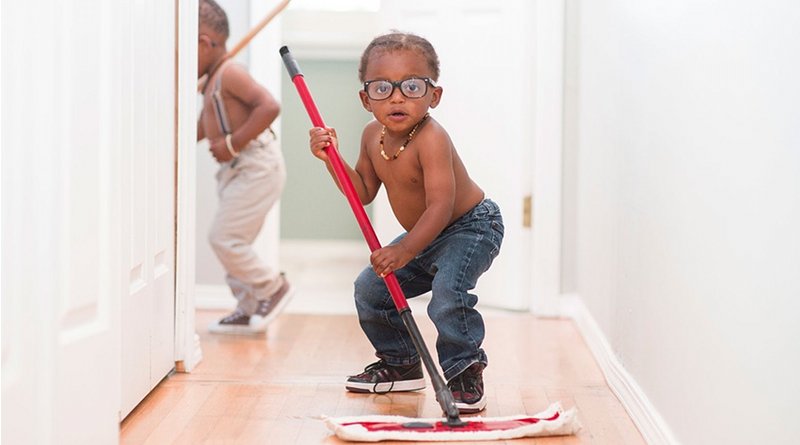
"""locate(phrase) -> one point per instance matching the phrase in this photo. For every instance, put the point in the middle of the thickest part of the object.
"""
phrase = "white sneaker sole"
(399, 386)
(216, 328)
(467, 408)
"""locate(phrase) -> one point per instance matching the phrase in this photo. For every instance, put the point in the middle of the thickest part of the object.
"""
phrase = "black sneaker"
(467, 389)
(381, 378)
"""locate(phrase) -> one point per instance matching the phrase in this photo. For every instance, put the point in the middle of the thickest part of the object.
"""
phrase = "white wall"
(685, 166)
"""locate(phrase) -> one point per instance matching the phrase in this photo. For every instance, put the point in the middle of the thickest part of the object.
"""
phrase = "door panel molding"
(148, 308)
(61, 223)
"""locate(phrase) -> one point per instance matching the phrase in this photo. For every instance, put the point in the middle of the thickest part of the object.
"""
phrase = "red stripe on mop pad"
(553, 421)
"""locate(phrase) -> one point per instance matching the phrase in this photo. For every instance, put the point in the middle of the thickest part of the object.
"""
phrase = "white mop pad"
(553, 421)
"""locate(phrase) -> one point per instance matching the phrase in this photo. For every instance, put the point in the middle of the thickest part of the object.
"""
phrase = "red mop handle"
(341, 174)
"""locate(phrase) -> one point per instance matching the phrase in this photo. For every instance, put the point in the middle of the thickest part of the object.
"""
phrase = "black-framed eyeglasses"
(412, 88)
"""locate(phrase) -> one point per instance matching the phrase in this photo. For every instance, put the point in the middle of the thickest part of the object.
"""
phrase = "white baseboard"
(647, 419)
(194, 358)
(209, 296)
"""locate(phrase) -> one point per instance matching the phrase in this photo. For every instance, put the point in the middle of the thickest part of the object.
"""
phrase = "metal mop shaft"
(443, 395)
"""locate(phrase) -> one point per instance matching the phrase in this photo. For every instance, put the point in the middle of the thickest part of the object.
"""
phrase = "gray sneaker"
(271, 307)
(238, 322)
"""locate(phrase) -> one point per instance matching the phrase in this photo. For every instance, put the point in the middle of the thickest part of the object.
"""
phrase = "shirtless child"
(237, 113)
(453, 233)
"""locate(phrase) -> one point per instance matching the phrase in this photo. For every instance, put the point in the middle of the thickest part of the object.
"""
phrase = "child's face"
(398, 112)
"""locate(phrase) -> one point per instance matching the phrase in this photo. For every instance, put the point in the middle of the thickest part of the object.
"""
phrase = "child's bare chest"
(401, 175)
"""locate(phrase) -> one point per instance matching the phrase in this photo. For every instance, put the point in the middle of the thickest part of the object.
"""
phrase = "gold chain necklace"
(402, 147)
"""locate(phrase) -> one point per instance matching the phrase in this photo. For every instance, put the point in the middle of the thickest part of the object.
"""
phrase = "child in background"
(453, 233)
(236, 118)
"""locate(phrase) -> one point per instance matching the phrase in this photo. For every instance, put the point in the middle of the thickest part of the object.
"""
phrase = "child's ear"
(365, 101)
(436, 96)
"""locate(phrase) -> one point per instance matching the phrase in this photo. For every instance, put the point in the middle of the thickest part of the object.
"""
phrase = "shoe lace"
(265, 304)
(465, 383)
(375, 369)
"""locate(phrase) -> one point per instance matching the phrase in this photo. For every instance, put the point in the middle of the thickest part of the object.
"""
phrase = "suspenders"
(219, 107)
(219, 104)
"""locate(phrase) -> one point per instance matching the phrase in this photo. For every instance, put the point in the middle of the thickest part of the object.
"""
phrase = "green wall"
(312, 206)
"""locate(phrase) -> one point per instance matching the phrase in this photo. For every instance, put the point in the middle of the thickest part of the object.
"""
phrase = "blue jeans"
(450, 267)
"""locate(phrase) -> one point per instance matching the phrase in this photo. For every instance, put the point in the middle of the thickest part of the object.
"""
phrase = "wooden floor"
(272, 389)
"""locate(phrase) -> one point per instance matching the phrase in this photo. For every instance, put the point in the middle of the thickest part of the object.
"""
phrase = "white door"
(148, 213)
(61, 160)
(486, 59)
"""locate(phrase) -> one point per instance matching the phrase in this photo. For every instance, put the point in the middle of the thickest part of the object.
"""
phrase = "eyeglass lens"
(412, 88)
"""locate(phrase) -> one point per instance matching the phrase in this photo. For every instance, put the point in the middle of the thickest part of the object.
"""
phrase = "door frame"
(547, 158)
(187, 343)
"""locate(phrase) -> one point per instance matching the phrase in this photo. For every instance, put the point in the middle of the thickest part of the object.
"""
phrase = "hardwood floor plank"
(274, 388)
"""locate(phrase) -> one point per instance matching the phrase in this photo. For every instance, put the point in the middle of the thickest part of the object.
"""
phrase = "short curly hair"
(395, 41)
(213, 16)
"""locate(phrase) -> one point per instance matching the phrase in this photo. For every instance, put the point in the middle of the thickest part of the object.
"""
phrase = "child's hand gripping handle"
(341, 174)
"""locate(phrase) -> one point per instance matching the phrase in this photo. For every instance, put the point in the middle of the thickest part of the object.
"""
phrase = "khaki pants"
(248, 187)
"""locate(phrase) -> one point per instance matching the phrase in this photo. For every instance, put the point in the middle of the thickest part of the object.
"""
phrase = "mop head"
(553, 421)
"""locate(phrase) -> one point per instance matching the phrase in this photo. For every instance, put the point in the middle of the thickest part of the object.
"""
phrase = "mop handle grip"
(293, 68)
(341, 174)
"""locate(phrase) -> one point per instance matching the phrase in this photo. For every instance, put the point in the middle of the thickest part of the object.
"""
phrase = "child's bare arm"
(264, 109)
(369, 181)
(363, 177)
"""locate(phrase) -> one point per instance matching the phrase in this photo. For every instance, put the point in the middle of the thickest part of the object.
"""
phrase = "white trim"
(187, 343)
(547, 158)
(196, 352)
(647, 419)
(213, 296)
